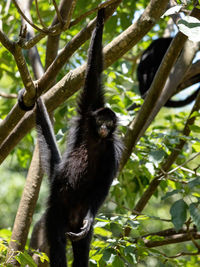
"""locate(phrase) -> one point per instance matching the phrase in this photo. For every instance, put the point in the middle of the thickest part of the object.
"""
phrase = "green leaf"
(130, 254)
(157, 156)
(190, 26)
(118, 262)
(195, 114)
(116, 229)
(169, 194)
(109, 255)
(195, 214)
(25, 259)
(194, 182)
(178, 212)
(195, 128)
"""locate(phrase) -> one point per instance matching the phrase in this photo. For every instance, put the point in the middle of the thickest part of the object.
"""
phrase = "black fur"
(21, 101)
(148, 66)
(80, 181)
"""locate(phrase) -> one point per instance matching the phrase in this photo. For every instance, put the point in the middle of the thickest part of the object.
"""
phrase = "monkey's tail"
(184, 102)
(49, 152)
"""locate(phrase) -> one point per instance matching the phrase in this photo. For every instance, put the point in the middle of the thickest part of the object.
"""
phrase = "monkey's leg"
(81, 250)
(57, 239)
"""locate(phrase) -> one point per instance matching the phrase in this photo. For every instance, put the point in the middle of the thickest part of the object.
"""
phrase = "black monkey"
(148, 66)
(80, 180)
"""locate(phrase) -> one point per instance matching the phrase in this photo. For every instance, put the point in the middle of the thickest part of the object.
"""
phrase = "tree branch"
(2, 94)
(26, 207)
(173, 239)
(6, 42)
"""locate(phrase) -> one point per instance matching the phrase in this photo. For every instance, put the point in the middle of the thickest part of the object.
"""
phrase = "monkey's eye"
(109, 124)
(99, 122)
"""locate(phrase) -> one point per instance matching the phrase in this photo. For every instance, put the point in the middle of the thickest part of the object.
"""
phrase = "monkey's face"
(104, 127)
(105, 122)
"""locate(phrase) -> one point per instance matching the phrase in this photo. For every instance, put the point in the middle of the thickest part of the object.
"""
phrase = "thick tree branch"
(26, 207)
(6, 42)
(191, 77)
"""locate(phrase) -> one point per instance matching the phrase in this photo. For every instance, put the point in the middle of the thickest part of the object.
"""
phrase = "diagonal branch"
(38, 14)
(6, 42)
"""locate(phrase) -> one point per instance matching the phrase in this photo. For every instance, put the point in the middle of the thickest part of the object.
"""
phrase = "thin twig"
(38, 14)
(190, 171)
(8, 2)
(178, 167)
(86, 14)
(2, 94)
(58, 13)
(180, 254)
(28, 20)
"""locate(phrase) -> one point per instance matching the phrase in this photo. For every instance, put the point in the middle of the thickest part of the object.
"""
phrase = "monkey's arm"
(92, 95)
(49, 153)
(87, 224)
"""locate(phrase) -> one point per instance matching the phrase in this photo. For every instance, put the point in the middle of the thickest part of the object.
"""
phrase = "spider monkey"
(148, 66)
(80, 180)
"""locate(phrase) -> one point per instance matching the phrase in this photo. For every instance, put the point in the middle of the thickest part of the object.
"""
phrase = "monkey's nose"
(103, 131)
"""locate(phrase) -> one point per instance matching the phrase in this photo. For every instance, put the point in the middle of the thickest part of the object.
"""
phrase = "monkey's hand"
(87, 223)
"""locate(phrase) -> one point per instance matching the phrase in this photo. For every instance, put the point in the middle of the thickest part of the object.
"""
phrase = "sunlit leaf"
(172, 10)
(190, 26)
